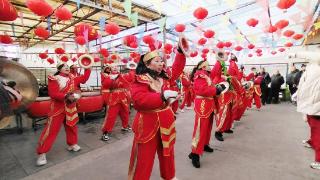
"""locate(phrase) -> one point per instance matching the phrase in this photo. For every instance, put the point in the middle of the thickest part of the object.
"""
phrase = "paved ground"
(266, 145)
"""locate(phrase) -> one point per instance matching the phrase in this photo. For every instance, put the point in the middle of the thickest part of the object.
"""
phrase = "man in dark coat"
(290, 80)
(264, 85)
(276, 82)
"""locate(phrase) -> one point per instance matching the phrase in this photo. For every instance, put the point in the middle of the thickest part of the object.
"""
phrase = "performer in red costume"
(237, 101)
(255, 91)
(204, 107)
(154, 123)
(115, 89)
(187, 92)
(224, 102)
(61, 88)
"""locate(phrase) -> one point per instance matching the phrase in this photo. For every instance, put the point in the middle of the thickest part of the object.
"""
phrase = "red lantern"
(298, 36)
(42, 32)
(5, 39)
(220, 45)
(259, 54)
(272, 29)
(282, 49)
(273, 52)
(168, 47)
(288, 33)
(114, 57)
(59, 51)
(80, 29)
(43, 55)
(39, 7)
(64, 58)
(205, 51)
(258, 51)
(252, 22)
(134, 45)
(289, 44)
(50, 60)
(112, 28)
(96, 59)
(285, 4)
(251, 46)
(202, 41)
(104, 52)
(282, 24)
(200, 13)
(80, 40)
(63, 14)
(250, 55)
(209, 34)
(168, 57)
(74, 59)
(127, 40)
(194, 54)
(204, 56)
(148, 39)
(238, 48)
(228, 44)
(7, 11)
(180, 27)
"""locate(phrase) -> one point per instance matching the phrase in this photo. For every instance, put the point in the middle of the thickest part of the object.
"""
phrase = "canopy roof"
(227, 18)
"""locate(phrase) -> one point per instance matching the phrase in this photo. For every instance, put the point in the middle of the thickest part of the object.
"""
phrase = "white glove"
(170, 95)
(114, 76)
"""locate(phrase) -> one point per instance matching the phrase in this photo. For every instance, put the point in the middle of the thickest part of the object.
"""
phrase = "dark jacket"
(265, 81)
(276, 81)
(290, 77)
(296, 77)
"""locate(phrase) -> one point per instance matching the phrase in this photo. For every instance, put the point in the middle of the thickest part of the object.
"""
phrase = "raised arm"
(83, 78)
(178, 66)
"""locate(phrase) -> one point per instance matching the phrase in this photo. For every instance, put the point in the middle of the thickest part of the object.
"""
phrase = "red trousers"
(112, 113)
(187, 99)
(201, 135)
(315, 135)
(51, 130)
(257, 100)
(175, 106)
(142, 158)
(224, 119)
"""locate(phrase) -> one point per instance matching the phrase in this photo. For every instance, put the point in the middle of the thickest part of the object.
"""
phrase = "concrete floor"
(266, 145)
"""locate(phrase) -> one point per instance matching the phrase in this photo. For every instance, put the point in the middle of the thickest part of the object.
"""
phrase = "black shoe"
(229, 131)
(219, 136)
(105, 137)
(207, 148)
(127, 129)
(195, 160)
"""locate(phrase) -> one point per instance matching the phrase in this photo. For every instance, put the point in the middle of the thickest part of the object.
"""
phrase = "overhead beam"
(71, 24)
(64, 2)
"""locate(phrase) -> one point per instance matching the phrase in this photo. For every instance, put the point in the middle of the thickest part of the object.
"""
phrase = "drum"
(90, 102)
(40, 107)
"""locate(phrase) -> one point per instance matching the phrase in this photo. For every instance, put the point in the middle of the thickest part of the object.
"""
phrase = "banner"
(102, 23)
(78, 4)
(134, 18)
(127, 7)
(162, 23)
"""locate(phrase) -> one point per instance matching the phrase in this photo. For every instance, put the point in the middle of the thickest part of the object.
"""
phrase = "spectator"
(264, 85)
(297, 76)
(276, 82)
(290, 80)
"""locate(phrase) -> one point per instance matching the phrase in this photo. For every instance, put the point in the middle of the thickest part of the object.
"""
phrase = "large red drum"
(90, 102)
(39, 108)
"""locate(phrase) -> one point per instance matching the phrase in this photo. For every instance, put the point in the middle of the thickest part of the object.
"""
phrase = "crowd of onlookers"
(271, 85)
